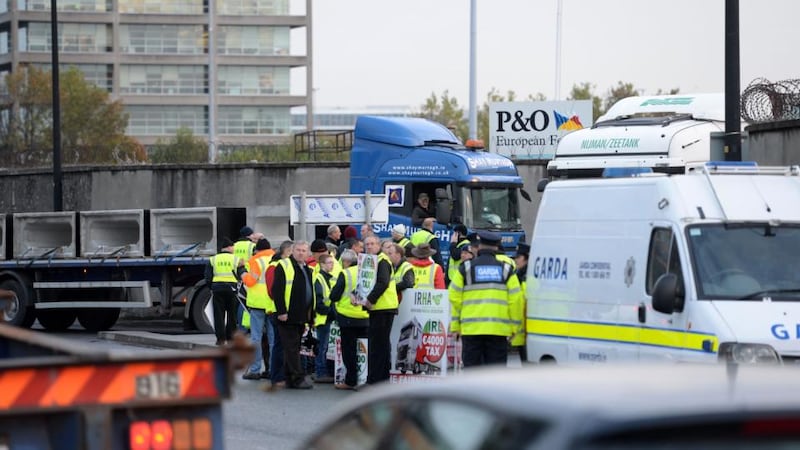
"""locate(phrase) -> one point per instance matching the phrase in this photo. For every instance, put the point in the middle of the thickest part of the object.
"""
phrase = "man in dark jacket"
(294, 299)
(382, 303)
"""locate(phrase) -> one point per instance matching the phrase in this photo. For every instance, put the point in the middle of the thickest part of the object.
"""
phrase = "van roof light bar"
(740, 167)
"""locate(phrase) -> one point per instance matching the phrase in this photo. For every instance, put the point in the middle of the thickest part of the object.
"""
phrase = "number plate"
(159, 385)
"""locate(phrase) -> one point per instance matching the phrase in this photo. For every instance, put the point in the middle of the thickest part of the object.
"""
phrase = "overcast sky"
(377, 52)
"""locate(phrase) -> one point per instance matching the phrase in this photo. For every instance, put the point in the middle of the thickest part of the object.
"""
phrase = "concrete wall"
(775, 143)
(264, 189)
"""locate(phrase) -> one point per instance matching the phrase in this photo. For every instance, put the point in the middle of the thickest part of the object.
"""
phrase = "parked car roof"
(562, 407)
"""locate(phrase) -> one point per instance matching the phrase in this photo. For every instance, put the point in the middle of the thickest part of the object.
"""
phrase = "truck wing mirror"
(541, 184)
(668, 294)
(525, 194)
(444, 205)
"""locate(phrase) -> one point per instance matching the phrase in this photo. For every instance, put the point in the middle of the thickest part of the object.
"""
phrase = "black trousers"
(290, 334)
(483, 350)
(224, 304)
(379, 352)
(350, 337)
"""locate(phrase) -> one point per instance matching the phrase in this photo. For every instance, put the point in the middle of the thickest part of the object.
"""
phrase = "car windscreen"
(745, 261)
(492, 208)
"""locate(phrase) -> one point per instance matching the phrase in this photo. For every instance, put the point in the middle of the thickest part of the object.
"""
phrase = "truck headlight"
(748, 353)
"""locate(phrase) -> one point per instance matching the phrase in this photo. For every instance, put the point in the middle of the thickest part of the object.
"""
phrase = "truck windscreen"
(745, 261)
(492, 208)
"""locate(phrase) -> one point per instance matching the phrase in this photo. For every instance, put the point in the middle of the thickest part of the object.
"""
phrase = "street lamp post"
(58, 202)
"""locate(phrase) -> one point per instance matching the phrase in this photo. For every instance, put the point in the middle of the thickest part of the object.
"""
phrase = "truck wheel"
(20, 311)
(56, 319)
(98, 319)
(199, 301)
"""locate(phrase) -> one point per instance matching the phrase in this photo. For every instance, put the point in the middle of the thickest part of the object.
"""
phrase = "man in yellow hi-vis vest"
(222, 275)
(484, 304)
(382, 305)
(293, 293)
(353, 319)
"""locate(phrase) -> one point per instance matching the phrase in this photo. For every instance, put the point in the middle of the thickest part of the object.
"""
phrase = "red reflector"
(162, 435)
(140, 436)
(770, 427)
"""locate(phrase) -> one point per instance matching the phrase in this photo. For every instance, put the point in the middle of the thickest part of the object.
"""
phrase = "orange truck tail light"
(180, 434)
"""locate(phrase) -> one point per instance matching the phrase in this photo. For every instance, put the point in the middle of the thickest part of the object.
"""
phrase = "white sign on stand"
(326, 209)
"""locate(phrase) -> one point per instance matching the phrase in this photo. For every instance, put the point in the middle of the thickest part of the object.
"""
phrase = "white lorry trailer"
(88, 265)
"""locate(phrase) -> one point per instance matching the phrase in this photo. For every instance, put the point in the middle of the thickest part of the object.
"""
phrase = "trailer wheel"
(98, 319)
(56, 319)
(20, 311)
(199, 301)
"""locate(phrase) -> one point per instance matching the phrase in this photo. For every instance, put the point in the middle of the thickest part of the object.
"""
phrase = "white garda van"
(662, 132)
(703, 266)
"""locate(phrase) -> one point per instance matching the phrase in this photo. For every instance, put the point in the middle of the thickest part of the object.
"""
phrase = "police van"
(700, 266)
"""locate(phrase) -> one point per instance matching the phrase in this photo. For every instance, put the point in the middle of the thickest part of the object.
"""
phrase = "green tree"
(26, 123)
(184, 147)
(445, 110)
(92, 126)
(585, 91)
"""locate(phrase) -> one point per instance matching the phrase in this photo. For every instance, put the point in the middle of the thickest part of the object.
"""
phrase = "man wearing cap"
(427, 274)
(484, 304)
(421, 210)
(399, 236)
(259, 304)
(521, 259)
(243, 249)
(222, 275)
(425, 236)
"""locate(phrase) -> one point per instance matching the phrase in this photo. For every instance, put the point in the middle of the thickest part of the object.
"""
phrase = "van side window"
(662, 257)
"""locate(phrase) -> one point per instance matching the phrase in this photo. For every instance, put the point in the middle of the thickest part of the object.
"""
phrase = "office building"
(221, 68)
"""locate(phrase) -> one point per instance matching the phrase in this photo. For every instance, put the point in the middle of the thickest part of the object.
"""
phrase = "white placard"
(339, 209)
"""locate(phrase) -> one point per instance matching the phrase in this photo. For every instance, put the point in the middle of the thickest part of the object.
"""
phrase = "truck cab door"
(662, 336)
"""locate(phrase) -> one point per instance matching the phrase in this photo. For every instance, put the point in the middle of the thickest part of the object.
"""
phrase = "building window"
(244, 40)
(3, 83)
(72, 37)
(100, 75)
(163, 80)
(244, 120)
(161, 120)
(163, 39)
(163, 7)
(252, 80)
(68, 5)
(253, 7)
(4, 47)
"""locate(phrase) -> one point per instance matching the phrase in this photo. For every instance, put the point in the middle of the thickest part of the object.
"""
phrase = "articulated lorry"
(59, 395)
(404, 157)
(88, 265)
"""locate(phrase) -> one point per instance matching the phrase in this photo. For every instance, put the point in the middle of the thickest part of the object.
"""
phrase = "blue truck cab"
(404, 157)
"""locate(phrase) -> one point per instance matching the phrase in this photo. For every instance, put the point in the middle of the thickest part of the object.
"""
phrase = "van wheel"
(98, 319)
(200, 299)
(19, 311)
(56, 319)
(547, 359)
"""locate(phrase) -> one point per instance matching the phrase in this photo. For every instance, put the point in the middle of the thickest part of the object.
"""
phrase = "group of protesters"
(283, 294)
